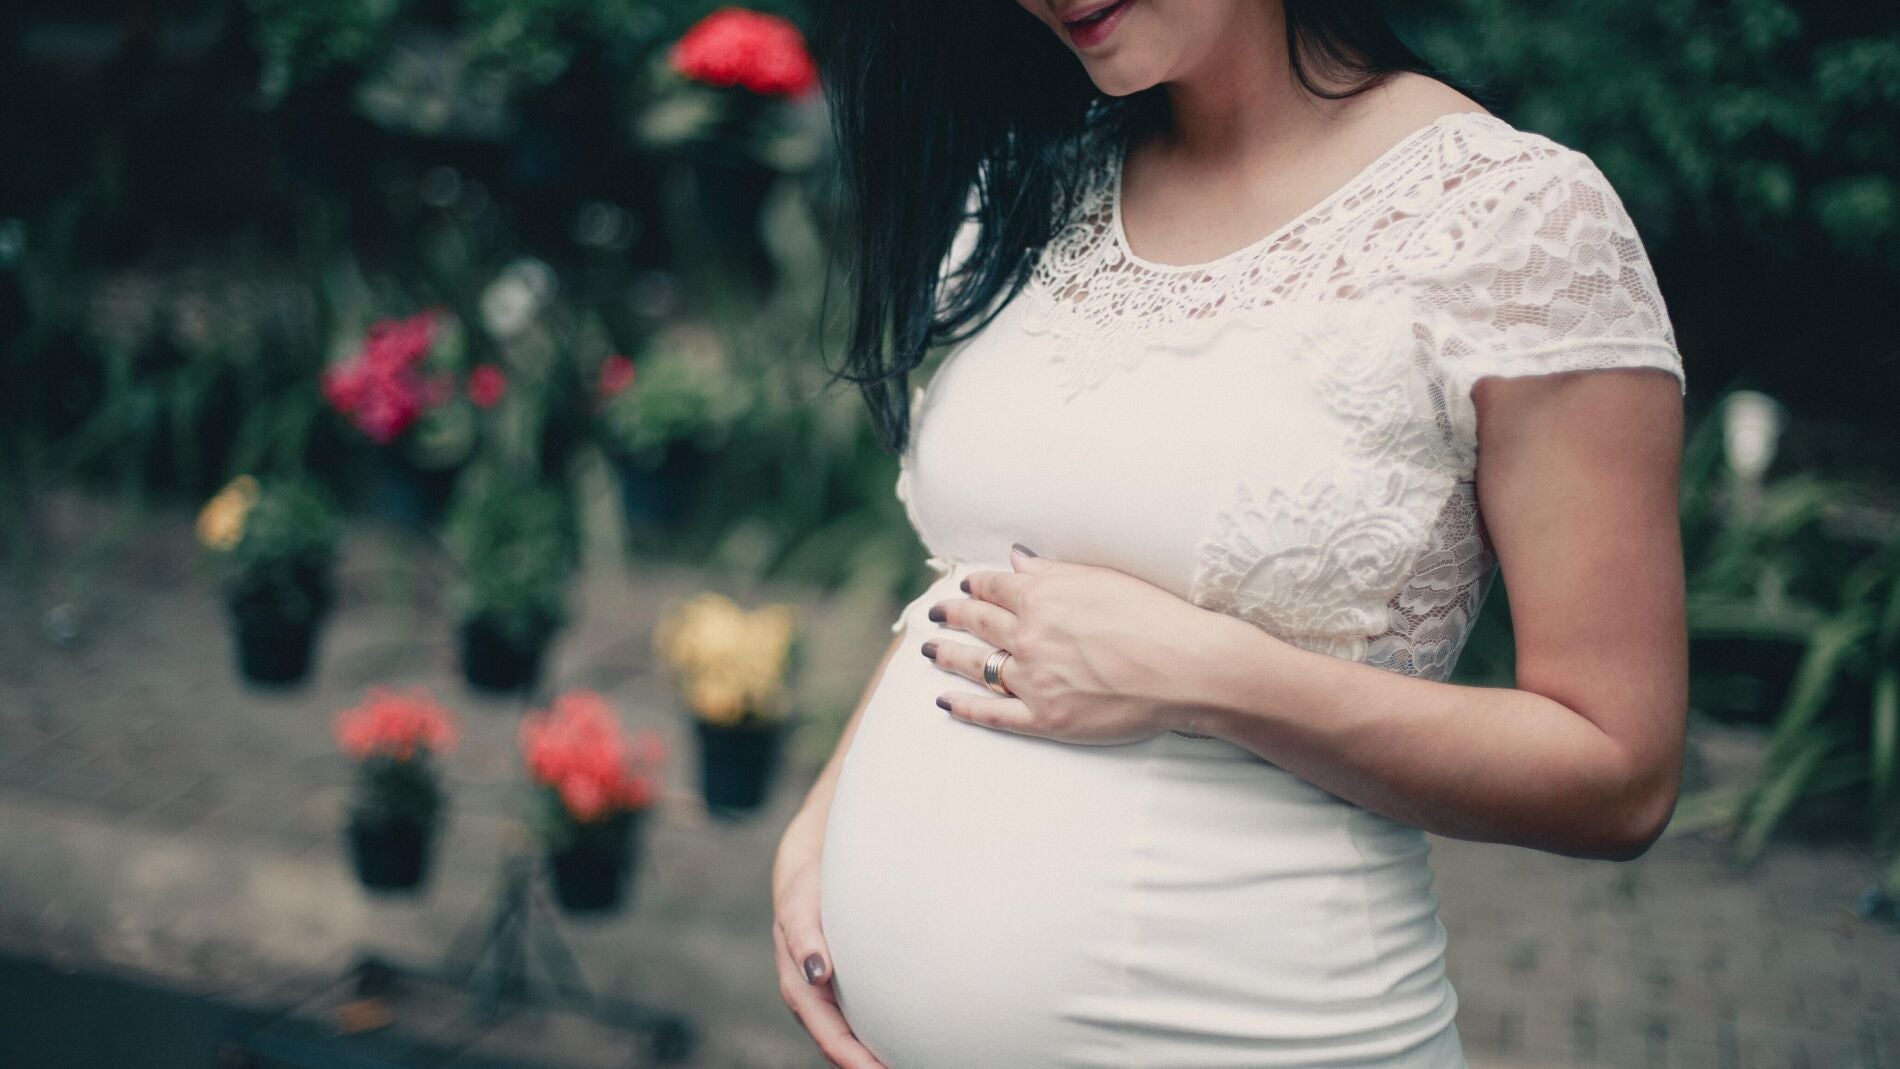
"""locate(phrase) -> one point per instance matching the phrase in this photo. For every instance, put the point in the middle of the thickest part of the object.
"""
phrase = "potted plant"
(594, 786)
(661, 427)
(728, 98)
(517, 541)
(400, 391)
(394, 738)
(279, 542)
(732, 666)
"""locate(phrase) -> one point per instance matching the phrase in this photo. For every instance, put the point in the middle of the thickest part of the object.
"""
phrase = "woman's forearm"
(1485, 763)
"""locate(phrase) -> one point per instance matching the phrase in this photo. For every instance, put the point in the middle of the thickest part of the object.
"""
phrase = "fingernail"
(1024, 550)
(814, 967)
(937, 614)
(965, 585)
(930, 650)
(943, 703)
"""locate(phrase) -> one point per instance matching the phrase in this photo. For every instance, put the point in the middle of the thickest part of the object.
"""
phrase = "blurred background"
(405, 402)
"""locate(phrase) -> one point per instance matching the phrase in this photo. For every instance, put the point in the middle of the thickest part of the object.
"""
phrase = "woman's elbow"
(1647, 801)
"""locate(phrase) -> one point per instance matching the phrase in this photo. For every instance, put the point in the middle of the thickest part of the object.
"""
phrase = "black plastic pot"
(660, 496)
(411, 496)
(275, 645)
(736, 764)
(594, 872)
(497, 660)
(390, 855)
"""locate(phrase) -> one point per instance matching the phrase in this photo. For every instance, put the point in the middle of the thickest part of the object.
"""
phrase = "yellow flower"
(729, 662)
(220, 523)
(717, 698)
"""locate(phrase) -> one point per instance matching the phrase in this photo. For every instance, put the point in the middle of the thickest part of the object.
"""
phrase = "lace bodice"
(1286, 434)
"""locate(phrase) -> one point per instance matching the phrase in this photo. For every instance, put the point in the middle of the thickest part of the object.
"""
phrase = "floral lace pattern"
(1468, 249)
(1098, 306)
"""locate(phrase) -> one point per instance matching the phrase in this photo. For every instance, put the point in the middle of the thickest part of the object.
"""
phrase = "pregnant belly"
(1000, 899)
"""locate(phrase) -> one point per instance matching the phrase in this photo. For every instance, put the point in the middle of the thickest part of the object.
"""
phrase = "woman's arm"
(1577, 476)
(817, 804)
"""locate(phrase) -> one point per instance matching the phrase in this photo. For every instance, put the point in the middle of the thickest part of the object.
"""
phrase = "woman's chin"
(1119, 77)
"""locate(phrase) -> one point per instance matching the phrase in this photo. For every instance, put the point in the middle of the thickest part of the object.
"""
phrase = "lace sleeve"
(1539, 272)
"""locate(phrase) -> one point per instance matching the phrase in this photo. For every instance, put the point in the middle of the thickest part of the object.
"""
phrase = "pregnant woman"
(1271, 348)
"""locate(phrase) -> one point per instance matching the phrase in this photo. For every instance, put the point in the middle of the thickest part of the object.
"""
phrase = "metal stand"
(493, 958)
(499, 968)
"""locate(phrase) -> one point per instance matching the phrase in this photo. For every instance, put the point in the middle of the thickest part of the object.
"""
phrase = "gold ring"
(993, 672)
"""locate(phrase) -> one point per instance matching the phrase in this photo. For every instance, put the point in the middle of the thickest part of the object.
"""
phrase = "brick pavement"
(157, 814)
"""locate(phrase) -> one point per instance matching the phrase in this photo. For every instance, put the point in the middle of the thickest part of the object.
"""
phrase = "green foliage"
(287, 552)
(392, 790)
(1776, 574)
(518, 542)
(537, 41)
(1778, 123)
(294, 524)
(684, 389)
(555, 826)
(301, 42)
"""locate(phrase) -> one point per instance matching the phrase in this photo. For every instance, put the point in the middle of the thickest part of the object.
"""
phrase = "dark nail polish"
(937, 615)
(1024, 550)
(965, 585)
(814, 967)
(944, 704)
(930, 650)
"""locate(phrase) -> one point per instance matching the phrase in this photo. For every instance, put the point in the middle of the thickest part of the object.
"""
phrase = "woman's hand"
(1094, 652)
(797, 935)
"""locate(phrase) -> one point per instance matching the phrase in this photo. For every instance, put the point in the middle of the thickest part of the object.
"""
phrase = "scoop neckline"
(1118, 157)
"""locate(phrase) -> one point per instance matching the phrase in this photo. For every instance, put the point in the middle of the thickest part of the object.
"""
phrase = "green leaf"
(1778, 795)
(1884, 749)
(1729, 617)
(1815, 681)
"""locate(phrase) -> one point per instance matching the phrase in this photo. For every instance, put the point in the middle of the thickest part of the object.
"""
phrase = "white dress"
(1286, 435)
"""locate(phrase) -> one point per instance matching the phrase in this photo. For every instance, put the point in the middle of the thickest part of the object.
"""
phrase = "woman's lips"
(1095, 28)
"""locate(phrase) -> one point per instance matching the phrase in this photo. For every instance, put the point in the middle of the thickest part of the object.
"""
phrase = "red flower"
(616, 374)
(399, 725)
(486, 385)
(576, 748)
(733, 46)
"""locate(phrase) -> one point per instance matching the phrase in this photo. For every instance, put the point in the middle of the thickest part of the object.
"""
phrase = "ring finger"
(966, 659)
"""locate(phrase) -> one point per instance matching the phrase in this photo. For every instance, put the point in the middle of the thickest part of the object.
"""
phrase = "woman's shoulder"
(1483, 157)
(1491, 184)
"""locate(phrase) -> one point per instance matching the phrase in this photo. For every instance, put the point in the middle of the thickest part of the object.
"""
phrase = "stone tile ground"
(155, 814)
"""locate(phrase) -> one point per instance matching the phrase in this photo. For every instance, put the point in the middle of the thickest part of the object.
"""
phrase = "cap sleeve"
(1536, 272)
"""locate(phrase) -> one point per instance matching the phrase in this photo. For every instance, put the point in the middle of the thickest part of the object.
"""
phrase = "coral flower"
(575, 748)
(400, 725)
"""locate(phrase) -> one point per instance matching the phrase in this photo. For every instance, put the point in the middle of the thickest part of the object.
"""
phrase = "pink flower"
(486, 386)
(616, 374)
(382, 389)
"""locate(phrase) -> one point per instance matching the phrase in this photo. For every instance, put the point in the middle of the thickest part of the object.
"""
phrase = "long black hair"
(930, 100)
